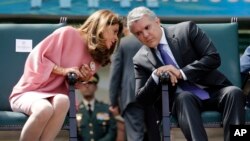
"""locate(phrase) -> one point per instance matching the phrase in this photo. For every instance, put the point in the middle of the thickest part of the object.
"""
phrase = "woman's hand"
(64, 71)
(75, 70)
(86, 72)
(83, 73)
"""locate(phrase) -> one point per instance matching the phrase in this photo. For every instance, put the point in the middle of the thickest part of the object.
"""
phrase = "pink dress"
(64, 47)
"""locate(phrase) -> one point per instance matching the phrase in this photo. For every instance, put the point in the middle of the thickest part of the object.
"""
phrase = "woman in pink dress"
(42, 90)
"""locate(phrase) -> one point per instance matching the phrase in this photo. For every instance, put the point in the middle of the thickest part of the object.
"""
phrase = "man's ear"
(157, 20)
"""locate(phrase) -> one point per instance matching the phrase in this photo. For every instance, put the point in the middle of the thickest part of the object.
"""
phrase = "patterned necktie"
(89, 109)
(185, 85)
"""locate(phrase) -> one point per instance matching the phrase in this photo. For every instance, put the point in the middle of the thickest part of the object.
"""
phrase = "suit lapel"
(174, 46)
(152, 57)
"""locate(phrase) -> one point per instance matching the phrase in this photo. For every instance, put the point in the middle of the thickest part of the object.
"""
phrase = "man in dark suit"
(190, 58)
(122, 91)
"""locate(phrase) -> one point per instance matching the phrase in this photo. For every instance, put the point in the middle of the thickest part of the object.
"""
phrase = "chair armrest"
(71, 78)
(164, 78)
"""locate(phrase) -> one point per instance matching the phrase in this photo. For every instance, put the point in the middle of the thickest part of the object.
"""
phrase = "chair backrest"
(225, 39)
(12, 60)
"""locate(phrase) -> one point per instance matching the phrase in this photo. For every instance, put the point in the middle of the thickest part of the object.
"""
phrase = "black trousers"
(187, 108)
(152, 121)
(141, 123)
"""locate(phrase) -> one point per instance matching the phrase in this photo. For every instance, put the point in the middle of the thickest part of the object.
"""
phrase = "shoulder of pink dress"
(66, 29)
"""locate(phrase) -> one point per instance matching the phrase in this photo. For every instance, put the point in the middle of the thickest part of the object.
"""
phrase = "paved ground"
(214, 134)
(14, 136)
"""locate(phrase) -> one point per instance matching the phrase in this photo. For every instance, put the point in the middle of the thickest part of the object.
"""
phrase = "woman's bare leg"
(41, 112)
(60, 104)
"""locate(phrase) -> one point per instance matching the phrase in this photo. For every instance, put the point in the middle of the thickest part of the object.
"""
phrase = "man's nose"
(145, 34)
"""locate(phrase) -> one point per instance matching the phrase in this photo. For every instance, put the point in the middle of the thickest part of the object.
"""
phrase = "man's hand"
(114, 110)
(173, 72)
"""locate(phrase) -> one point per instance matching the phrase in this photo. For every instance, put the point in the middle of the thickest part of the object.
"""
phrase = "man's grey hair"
(137, 13)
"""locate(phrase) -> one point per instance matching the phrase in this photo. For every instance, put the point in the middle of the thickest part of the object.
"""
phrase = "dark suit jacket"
(195, 54)
(100, 126)
(122, 81)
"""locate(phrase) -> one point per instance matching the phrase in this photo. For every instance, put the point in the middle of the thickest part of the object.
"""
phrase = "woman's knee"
(42, 110)
(61, 102)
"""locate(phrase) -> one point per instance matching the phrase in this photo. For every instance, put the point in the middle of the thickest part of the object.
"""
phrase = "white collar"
(91, 102)
(163, 38)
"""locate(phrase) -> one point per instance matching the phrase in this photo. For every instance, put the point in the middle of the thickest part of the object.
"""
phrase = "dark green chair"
(12, 65)
(225, 39)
